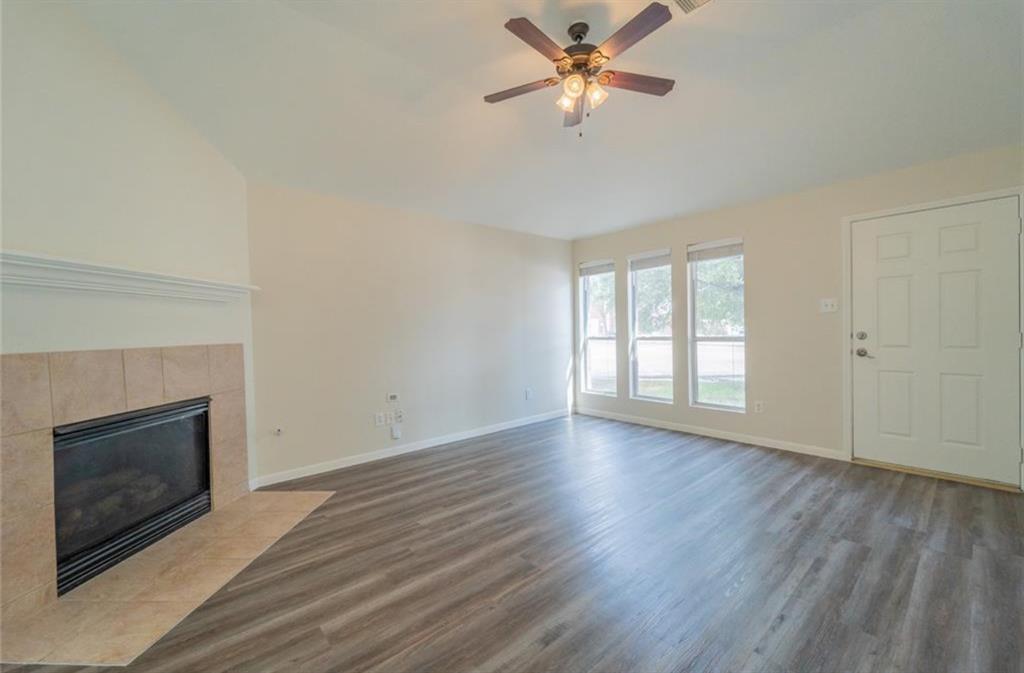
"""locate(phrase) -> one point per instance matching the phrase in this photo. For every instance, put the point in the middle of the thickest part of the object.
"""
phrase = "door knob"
(863, 353)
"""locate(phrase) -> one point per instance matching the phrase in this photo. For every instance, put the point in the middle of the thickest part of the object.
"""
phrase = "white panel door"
(936, 339)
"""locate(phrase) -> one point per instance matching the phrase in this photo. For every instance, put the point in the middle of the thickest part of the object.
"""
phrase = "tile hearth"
(116, 616)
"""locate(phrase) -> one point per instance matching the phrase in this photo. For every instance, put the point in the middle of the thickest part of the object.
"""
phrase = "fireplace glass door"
(125, 481)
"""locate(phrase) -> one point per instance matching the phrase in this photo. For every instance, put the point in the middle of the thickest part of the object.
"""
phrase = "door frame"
(846, 350)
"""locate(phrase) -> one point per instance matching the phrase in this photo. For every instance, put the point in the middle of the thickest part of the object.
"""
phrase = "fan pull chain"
(580, 136)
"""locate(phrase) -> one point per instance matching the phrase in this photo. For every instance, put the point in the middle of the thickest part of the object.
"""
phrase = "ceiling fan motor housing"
(580, 58)
(578, 31)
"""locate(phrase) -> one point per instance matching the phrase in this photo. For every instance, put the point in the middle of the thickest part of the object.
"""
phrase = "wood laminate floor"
(592, 545)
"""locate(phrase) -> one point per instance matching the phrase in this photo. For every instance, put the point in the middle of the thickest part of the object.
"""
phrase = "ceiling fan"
(578, 66)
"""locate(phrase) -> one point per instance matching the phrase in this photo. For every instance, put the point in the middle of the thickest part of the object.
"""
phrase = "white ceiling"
(382, 101)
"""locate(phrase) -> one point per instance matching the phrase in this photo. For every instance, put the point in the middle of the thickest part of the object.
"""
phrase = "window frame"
(634, 370)
(584, 337)
(693, 340)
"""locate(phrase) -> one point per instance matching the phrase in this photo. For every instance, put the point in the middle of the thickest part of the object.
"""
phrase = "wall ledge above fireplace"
(43, 271)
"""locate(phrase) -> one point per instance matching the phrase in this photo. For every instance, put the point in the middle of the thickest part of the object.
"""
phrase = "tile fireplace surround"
(43, 390)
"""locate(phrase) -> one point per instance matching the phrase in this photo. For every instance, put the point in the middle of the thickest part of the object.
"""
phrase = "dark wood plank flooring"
(592, 545)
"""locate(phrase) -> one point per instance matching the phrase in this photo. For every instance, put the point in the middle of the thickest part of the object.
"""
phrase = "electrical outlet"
(759, 407)
(389, 418)
(391, 397)
(399, 415)
(830, 305)
(396, 432)
(527, 393)
(378, 419)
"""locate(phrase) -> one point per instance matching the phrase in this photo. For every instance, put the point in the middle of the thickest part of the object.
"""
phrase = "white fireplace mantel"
(43, 271)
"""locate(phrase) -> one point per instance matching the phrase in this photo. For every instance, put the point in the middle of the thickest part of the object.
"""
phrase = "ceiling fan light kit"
(579, 65)
(596, 95)
(566, 102)
(574, 85)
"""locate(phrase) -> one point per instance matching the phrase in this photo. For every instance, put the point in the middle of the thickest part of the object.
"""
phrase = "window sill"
(716, 407)
(655, 400)
(597, 394)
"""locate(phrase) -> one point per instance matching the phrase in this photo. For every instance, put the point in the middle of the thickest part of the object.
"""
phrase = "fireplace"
(123, 482)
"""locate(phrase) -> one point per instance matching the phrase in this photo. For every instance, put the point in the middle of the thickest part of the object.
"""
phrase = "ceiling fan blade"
(532, 35)
(691, 5)
(656, 86)
(521, 89)
(636, 29)
(576, 116)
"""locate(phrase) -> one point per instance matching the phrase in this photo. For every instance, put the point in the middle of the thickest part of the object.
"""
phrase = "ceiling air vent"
(690, 5)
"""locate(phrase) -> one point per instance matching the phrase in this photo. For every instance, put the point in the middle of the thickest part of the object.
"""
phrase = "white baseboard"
(807, 449)
(380, 454)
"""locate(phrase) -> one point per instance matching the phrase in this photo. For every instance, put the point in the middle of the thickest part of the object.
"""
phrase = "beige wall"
(793, 258)
(98, 168)
(358, 300)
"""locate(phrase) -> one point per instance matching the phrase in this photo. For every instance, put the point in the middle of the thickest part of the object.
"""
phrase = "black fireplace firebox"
(123, 482)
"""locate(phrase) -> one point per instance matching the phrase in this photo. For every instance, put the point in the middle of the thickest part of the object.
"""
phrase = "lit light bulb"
(596, 95)
(574, 85)
(567, 103)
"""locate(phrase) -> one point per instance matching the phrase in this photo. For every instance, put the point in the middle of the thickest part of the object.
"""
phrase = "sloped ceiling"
(382, 101)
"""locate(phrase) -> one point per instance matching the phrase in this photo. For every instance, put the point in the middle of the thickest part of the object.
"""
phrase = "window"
(650, 306)
(597, 303)
(717, 334)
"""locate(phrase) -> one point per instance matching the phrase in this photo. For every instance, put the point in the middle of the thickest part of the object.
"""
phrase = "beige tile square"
(26, 472)
(221, 522)
(86, 384)
(28, 604)
(186, 372)
(227, 368)
(21, 645)
(271, 524)
(114, 633)
(31, 639)
(227, 418)
(229, 464)
(230, 451)
(24, 393)
(180, 547)
(27, 556)
(227, 493)
(193, 581)
(287, 501)
(236, 547)
(112, 649)
(143, 377)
